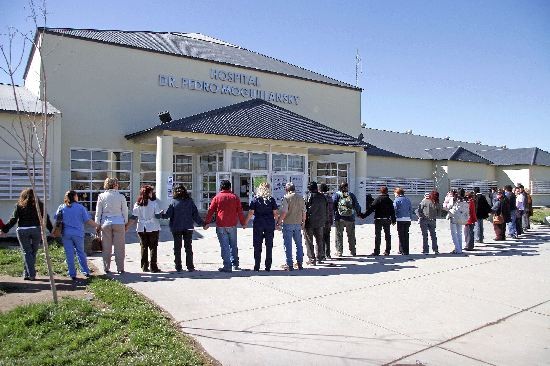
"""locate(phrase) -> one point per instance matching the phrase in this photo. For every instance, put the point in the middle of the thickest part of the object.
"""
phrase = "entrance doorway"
(245, 184)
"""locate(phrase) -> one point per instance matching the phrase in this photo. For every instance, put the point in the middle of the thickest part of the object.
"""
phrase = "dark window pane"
(80, 154)
(75, 175)
(100, 155)
(100, 165)
(148, 158)
(75, 164)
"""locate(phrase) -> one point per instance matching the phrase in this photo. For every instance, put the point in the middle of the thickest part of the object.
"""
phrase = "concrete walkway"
(488, 307)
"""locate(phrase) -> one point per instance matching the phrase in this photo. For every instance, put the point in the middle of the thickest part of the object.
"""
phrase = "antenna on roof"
(358, 68)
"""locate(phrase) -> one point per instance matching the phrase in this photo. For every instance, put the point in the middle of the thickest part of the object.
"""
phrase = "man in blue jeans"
(227, 207)
(293, 217)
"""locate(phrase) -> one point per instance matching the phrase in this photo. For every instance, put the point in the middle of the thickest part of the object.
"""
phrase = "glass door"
(257, 179)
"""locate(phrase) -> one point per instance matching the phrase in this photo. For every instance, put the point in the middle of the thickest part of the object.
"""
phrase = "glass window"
(279, 162)
(296, 163)
(209, 190)
(89, 168)
(183, 164)
(211, 162)
(258, 161)
(239, 160)
(332, 174)
(147, 169)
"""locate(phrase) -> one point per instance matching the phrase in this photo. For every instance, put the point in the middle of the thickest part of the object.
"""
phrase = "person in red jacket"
(227, 207)
(472, 219)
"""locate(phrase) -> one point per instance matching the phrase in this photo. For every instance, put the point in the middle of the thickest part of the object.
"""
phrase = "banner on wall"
(169, 185)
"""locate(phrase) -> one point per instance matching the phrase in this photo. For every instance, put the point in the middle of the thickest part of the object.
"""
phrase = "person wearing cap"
(292, 218)
(228, 210)
(429, 210)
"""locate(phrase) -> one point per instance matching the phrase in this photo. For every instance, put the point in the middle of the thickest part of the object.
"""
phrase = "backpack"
(345, 205)
(460, 213)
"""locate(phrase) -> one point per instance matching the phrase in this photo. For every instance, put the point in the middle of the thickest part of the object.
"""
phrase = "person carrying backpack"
(345, 208)
(316, 217)
(458, 213)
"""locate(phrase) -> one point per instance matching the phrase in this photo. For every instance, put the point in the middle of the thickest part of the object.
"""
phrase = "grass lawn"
(11, 261)
(539, 214)
(117, 327)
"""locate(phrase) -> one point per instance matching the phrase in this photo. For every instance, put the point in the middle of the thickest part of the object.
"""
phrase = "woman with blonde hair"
(29, 234)
(264, 209)
(112, 214)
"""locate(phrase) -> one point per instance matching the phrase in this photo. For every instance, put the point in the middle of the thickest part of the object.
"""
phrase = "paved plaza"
(486, 307)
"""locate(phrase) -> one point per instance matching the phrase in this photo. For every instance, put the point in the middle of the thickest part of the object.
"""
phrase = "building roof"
(197, 46)
(521, 156)
(27, 101)
(457, 154)
(257, 118)
(432, 148)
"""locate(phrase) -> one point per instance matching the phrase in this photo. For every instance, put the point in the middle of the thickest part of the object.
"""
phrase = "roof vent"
(165, 117)
(447, 138)
(478, 142)
(409, 132)
(363, 125)
(503, 147)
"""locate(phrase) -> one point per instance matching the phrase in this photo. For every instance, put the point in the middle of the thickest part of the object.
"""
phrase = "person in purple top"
(264, 209)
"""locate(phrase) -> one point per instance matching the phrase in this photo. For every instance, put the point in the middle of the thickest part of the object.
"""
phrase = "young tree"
(28, 133)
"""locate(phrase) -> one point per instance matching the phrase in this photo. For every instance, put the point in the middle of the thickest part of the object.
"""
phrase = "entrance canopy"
(254, 119)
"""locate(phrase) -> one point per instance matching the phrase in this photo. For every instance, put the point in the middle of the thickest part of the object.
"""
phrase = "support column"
(165, 153)
(360, 177)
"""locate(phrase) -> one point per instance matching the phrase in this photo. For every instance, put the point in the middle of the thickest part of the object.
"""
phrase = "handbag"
(97, 245)
(58, 229)
(498, 219)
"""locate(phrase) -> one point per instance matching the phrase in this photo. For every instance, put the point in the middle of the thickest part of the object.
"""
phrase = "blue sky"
(471, 70)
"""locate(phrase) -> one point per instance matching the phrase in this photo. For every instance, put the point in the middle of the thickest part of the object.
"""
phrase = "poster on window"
(298, 181)
(169, 185)
(278, 187)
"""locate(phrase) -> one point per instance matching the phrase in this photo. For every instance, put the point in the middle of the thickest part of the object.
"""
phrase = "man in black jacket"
(316, 218)
(384, 215)
(483, 209)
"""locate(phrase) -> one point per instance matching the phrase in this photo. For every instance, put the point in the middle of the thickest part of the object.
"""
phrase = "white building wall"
(540, 173)
(106, 91)
(473, 171)
(513, 175)
(11, 122)
(378, 166)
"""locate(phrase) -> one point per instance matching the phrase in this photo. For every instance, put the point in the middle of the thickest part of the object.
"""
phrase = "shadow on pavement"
(527, 245)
